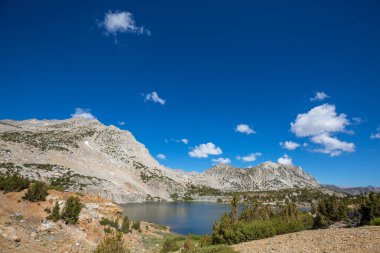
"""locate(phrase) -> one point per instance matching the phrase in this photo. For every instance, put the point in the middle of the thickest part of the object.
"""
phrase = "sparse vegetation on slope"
(13, 183)
(112, 243)
(71, 211)
(37, 191)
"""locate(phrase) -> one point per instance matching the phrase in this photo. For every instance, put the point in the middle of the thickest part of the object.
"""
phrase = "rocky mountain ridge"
(86, 156)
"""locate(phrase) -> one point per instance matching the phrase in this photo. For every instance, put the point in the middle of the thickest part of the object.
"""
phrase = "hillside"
(86, 156)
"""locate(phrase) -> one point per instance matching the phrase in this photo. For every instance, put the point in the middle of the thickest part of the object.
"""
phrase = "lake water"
(183, 217)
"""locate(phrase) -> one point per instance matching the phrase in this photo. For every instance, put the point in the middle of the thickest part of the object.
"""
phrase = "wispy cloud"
(185, 141)
(319, 96)
(121, 123)
(249, 158)
(153, 97)
(204, 150)
(122, 22)
(244, 128)
(289, 145)
(161, 156)
(221, 160)
(376, 135)
(285, 160)
(82, 113)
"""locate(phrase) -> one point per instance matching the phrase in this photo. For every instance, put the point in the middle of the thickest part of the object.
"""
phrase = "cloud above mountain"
(289, 145)
(204, 150)
(221, 160)
(249, 158)
(320, 124)
(161, 156)
(320, 119)
(82, 113)
(285, 160)
(332, 145)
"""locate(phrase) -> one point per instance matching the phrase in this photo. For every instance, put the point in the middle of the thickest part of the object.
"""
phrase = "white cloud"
(120, 22)
(249, 158)
(83, 113)
(320, 124)
(289, 145)
(357, 120)
(320, 119)
(319, 96)
(221, 160)
(204, 150)
(245, 129)
(285, 160)
(161, 156)
(332, 145)
(376, 135)
(121, 123)
(185, 141)
(153, 96)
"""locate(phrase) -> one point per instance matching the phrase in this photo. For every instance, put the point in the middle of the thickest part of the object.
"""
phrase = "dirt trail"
(333, 240)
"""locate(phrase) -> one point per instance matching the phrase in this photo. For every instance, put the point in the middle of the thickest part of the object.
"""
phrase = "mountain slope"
(85, 155)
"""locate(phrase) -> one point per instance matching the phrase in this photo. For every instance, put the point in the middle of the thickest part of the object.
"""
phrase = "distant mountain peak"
(110, 162)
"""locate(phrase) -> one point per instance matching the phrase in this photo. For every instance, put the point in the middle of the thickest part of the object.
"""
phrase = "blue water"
(183, 218)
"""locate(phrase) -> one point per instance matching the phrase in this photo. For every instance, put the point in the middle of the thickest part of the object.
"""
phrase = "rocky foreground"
(332, 240)
(24, 228)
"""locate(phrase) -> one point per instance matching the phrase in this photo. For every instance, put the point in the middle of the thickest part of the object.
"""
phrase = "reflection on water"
(183, 218)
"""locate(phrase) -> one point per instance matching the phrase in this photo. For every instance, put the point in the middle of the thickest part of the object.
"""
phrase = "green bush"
(112, 243)
(214, 249)
(370, 209)
(125, 225)
(188, 245)
(107, 222)
(375, 221)
(136, 225)
(36, 192)
(13, 183)
(169, 245)
(54, 215)
(205, 241)
(333, 209)
(71, 211)
(256, 224)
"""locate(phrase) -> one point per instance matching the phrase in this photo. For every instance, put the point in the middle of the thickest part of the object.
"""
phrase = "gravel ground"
(333, 240)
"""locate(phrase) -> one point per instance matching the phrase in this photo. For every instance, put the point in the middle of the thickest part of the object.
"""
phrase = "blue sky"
(214, 65)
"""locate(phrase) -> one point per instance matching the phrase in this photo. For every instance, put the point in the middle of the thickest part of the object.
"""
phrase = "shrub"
(112, 243)
(205, 241)
(370, 209)
(54, 215)
(71, 211)
(36, 192)
(214, 249)
(169, 246)
(333, 209)
(136, 225)
(107, 222)
(13, 183)
(258, 223)
(188, 245)
(125, 225)
(375, 221)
